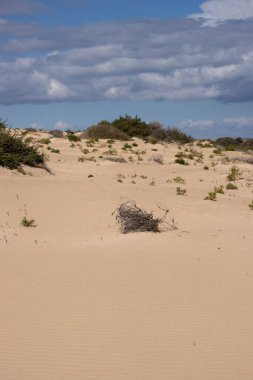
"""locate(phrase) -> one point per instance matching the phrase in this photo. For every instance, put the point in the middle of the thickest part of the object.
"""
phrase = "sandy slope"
(79, 300)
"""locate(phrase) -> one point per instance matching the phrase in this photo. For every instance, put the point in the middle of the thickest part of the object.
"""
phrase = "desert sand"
(82, 301)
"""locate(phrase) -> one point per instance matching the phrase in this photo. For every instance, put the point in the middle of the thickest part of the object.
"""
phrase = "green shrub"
(132, 126)
(176, 135)
(45, 141)
(73, 137)
(179, 180)
(227, 142)
(234, 174)
(211, 196)
(126, 146)
(106, 131)
(55, 150)
(110, 141)
(181, 191)
(181, 161)
(219, 189)
(231, 186)
(14, 151)
(28, 222)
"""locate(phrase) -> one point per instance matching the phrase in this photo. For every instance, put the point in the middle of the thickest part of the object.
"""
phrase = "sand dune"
(79, 300)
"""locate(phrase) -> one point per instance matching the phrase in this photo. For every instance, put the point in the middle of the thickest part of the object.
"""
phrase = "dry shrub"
(116, 159)
(102, 131)
(133, 219)
(158, 158)
(57, 133)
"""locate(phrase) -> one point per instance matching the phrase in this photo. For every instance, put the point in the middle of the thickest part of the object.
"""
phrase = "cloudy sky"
(71, 63)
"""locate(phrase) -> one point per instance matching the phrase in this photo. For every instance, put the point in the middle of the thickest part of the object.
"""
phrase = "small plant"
(181, 191)
(21, 170)
(28, 140)
(27, 222)
(134, 144)
(110, 141)
(126, 146)
(121, 176)
(130, 159)
(234, 174)
(206, 167)
(110, 152)
(211, 196)
(45, 141)
(219, 189)
(217, 151)
(179, 180)
(85, 151)
(143, 176)
(181, 161)
(152, 183)
(231, 186)
(55, 150)
(251, 205)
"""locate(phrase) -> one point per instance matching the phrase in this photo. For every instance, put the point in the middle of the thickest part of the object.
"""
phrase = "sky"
(68, 64)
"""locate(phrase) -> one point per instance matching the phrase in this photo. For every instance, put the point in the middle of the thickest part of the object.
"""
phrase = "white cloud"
(231, 122)
(11, 7)
(57, 90)
(242, 121)
(215, 12)
(62, 125)
(200, 124)
(165, 60)
(36, 126)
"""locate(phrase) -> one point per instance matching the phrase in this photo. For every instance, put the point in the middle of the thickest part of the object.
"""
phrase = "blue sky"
(71, 63)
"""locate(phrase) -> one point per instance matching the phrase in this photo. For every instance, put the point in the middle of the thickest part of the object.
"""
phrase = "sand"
(80, 300)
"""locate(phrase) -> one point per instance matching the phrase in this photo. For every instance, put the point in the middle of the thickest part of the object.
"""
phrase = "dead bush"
(132, 218)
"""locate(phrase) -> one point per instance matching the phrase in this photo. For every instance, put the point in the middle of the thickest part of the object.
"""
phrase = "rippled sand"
(79, 300)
